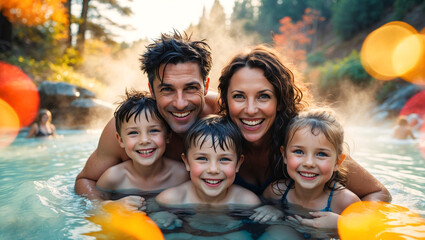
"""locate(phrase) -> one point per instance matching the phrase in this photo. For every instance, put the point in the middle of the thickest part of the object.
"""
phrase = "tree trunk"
(82, 27)
(5, 34)
(69, 38)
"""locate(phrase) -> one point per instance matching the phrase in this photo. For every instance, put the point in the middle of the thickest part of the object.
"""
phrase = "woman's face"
(252, 103)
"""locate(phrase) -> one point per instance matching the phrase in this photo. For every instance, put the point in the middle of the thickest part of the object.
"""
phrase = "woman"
(260, 96)
(42, 127)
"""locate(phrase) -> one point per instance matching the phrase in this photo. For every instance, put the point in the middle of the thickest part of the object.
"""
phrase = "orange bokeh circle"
(18, 90)
(9, 124)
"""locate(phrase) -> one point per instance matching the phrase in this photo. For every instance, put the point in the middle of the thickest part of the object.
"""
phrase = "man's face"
(180, 97)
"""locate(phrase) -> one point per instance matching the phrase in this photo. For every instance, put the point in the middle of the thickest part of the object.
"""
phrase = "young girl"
(312, 154)
(143, 134)
(43, 126)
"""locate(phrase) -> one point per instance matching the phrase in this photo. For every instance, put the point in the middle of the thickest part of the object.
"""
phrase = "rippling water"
(37, 199)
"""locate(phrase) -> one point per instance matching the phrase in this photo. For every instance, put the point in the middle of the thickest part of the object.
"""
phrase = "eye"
(192, 88)
(132, 133)
(298, 152)
(238, 96)
(166, 89)
(201, 159)
(264, 96)
(322, 154)
(155, 130)
(224, 159)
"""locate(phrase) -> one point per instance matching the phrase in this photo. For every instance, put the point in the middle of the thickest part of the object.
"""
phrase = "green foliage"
(316, 58)
(401, 7)
(65, 73)
(352, 16)
(349, 68)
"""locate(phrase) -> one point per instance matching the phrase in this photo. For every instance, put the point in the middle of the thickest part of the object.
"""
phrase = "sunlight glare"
(393, 50)
(380, 220)
(117, 222)
(9, 124)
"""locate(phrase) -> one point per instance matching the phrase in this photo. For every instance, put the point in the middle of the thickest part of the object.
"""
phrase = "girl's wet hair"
(319, 120)
(222, 131)
(134, 103)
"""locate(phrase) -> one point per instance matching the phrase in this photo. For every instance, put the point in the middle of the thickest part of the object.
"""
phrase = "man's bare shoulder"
(108, 144)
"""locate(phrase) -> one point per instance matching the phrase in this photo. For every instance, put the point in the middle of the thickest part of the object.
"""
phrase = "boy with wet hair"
(213, 156)
(143, 134)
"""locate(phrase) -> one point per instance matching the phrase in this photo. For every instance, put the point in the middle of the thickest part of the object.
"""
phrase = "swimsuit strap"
(328, 206)
(283, 199)
(256, 189)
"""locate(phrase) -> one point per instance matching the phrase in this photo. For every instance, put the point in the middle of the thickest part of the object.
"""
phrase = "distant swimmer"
(403, 131)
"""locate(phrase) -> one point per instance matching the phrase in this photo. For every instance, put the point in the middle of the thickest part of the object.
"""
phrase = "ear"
(282, 151)
(340, 159)
(186, 162)
(119, 140)
(238, 165)
(151, 91)
(207, 84)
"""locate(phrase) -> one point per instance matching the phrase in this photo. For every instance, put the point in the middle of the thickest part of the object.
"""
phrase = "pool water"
(37, 199)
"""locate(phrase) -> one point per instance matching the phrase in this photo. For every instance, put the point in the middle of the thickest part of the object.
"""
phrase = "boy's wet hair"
(222, 131)
(134, 103)
(175, 48)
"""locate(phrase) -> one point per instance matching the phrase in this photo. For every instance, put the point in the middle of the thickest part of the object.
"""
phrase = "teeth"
(252, 123)
(181, 114)
(145, 152)
(308, 174)
(212, 181)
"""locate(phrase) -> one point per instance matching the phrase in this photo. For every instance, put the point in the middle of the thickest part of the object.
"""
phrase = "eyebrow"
(262, 91)
(187, 84)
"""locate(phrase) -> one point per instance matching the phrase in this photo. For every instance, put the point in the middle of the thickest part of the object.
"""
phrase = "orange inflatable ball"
(18, 90)
(379, 220)
(117, 222)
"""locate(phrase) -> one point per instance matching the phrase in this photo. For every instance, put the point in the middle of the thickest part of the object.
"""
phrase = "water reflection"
(37, 199)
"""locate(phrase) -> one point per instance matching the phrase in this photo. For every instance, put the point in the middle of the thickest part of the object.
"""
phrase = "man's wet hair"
(175, 48)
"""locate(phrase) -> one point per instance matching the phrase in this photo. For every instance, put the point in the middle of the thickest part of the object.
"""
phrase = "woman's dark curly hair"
(289, 96)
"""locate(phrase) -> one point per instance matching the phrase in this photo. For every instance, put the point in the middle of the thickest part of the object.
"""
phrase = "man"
(177, 70)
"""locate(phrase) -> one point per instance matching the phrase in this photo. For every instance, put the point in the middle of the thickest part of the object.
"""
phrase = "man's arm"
(363, 184)
(107, 154)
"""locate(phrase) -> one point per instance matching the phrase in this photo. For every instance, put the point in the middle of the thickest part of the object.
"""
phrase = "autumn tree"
(28, 13)
(295, 39)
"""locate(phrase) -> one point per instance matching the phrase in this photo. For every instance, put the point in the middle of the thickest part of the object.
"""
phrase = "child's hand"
(166, 220)
(321, 220)
(133, 203)
(266, 213)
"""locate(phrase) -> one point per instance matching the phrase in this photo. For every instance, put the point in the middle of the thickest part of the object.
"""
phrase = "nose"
(308, 161)
(251, 107)
(144, 138)
(180, 101)
(213, 167)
